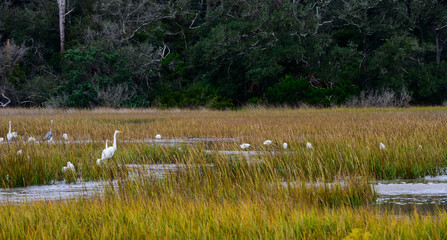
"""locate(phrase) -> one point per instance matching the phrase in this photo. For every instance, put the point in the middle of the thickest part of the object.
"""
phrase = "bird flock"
(108, 152)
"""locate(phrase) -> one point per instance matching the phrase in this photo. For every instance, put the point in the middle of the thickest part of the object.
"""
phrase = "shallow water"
(58, 191)
(63, 191)
(424, 193)
(171, 142)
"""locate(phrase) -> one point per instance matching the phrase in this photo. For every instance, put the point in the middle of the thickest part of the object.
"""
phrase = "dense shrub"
(93, 77)
(293, 90)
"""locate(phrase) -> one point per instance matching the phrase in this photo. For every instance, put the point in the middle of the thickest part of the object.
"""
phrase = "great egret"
(245, 146)
(309, 145)
(19, 152)
(267, 142)
(284, 145)
(158, 136)
(98, 161)
(31, 139)
(382, 146)
(2, 139)
(108, 152)
(69, 166)
(65, 136)
(10, 134)
(49, 135)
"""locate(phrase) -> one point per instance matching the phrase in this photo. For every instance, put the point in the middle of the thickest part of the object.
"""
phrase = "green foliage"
(193, 98)
(293, 90)
(237, 49)
(88, 71)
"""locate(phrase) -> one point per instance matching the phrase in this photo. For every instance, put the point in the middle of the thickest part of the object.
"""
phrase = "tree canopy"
(221, 53)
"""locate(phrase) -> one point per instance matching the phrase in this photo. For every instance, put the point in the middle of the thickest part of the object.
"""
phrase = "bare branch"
(5, 104)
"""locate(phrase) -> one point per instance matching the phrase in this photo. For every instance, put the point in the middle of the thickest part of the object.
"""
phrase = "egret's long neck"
(114, 140)
(51, 126)
(106, 143)
(9, 126)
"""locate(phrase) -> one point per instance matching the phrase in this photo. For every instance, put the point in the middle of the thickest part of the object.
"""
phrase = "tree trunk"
(62, 5)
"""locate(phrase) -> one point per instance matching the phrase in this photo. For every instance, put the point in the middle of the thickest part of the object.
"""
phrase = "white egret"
(245, 146)
(267, 142)
(108, 152)
(19, 152)
(382, 146)
(10, 134)
(31, 139)
(98, 161)
(284, 145)
(2, 139)
(69, 166)
(158, 136)
(49, 135)
(65, 136)
(309, 145)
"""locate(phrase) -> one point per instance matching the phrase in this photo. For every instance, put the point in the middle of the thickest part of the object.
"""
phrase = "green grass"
(293, 193)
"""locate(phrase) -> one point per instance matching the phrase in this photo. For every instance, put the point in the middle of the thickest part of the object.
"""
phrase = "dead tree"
(439, 43)
(62, 5)
(6, 103)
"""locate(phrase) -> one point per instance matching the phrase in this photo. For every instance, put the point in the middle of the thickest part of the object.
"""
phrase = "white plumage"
(382, 146)
(69, 166)
(158, 136)
(65, 136)
(19, 152)
(2, 139)
(31, 139)
(267, 142)
(245, 146)
(284, 145)
(109, 151)
(309, 145)
(10, 134)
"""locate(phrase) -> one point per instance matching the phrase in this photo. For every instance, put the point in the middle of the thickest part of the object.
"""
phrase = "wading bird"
(245, 146)
(284, 145)
(65, 136)
(382, 146)
(69, 166)
(98, 161)
(158, 136)
(108, 152)
(49, 135)
(19, 152)
(309, 145)
(2, 139)
(31, 139)
(267, 142)
(10, 134)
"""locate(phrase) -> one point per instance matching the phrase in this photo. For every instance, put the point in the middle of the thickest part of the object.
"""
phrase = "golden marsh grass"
(317, 193)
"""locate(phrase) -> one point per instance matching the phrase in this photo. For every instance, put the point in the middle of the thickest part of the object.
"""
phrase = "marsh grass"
(170, 217)
(317, 193)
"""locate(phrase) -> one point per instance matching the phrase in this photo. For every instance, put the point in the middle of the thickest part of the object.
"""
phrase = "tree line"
(222, 53)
